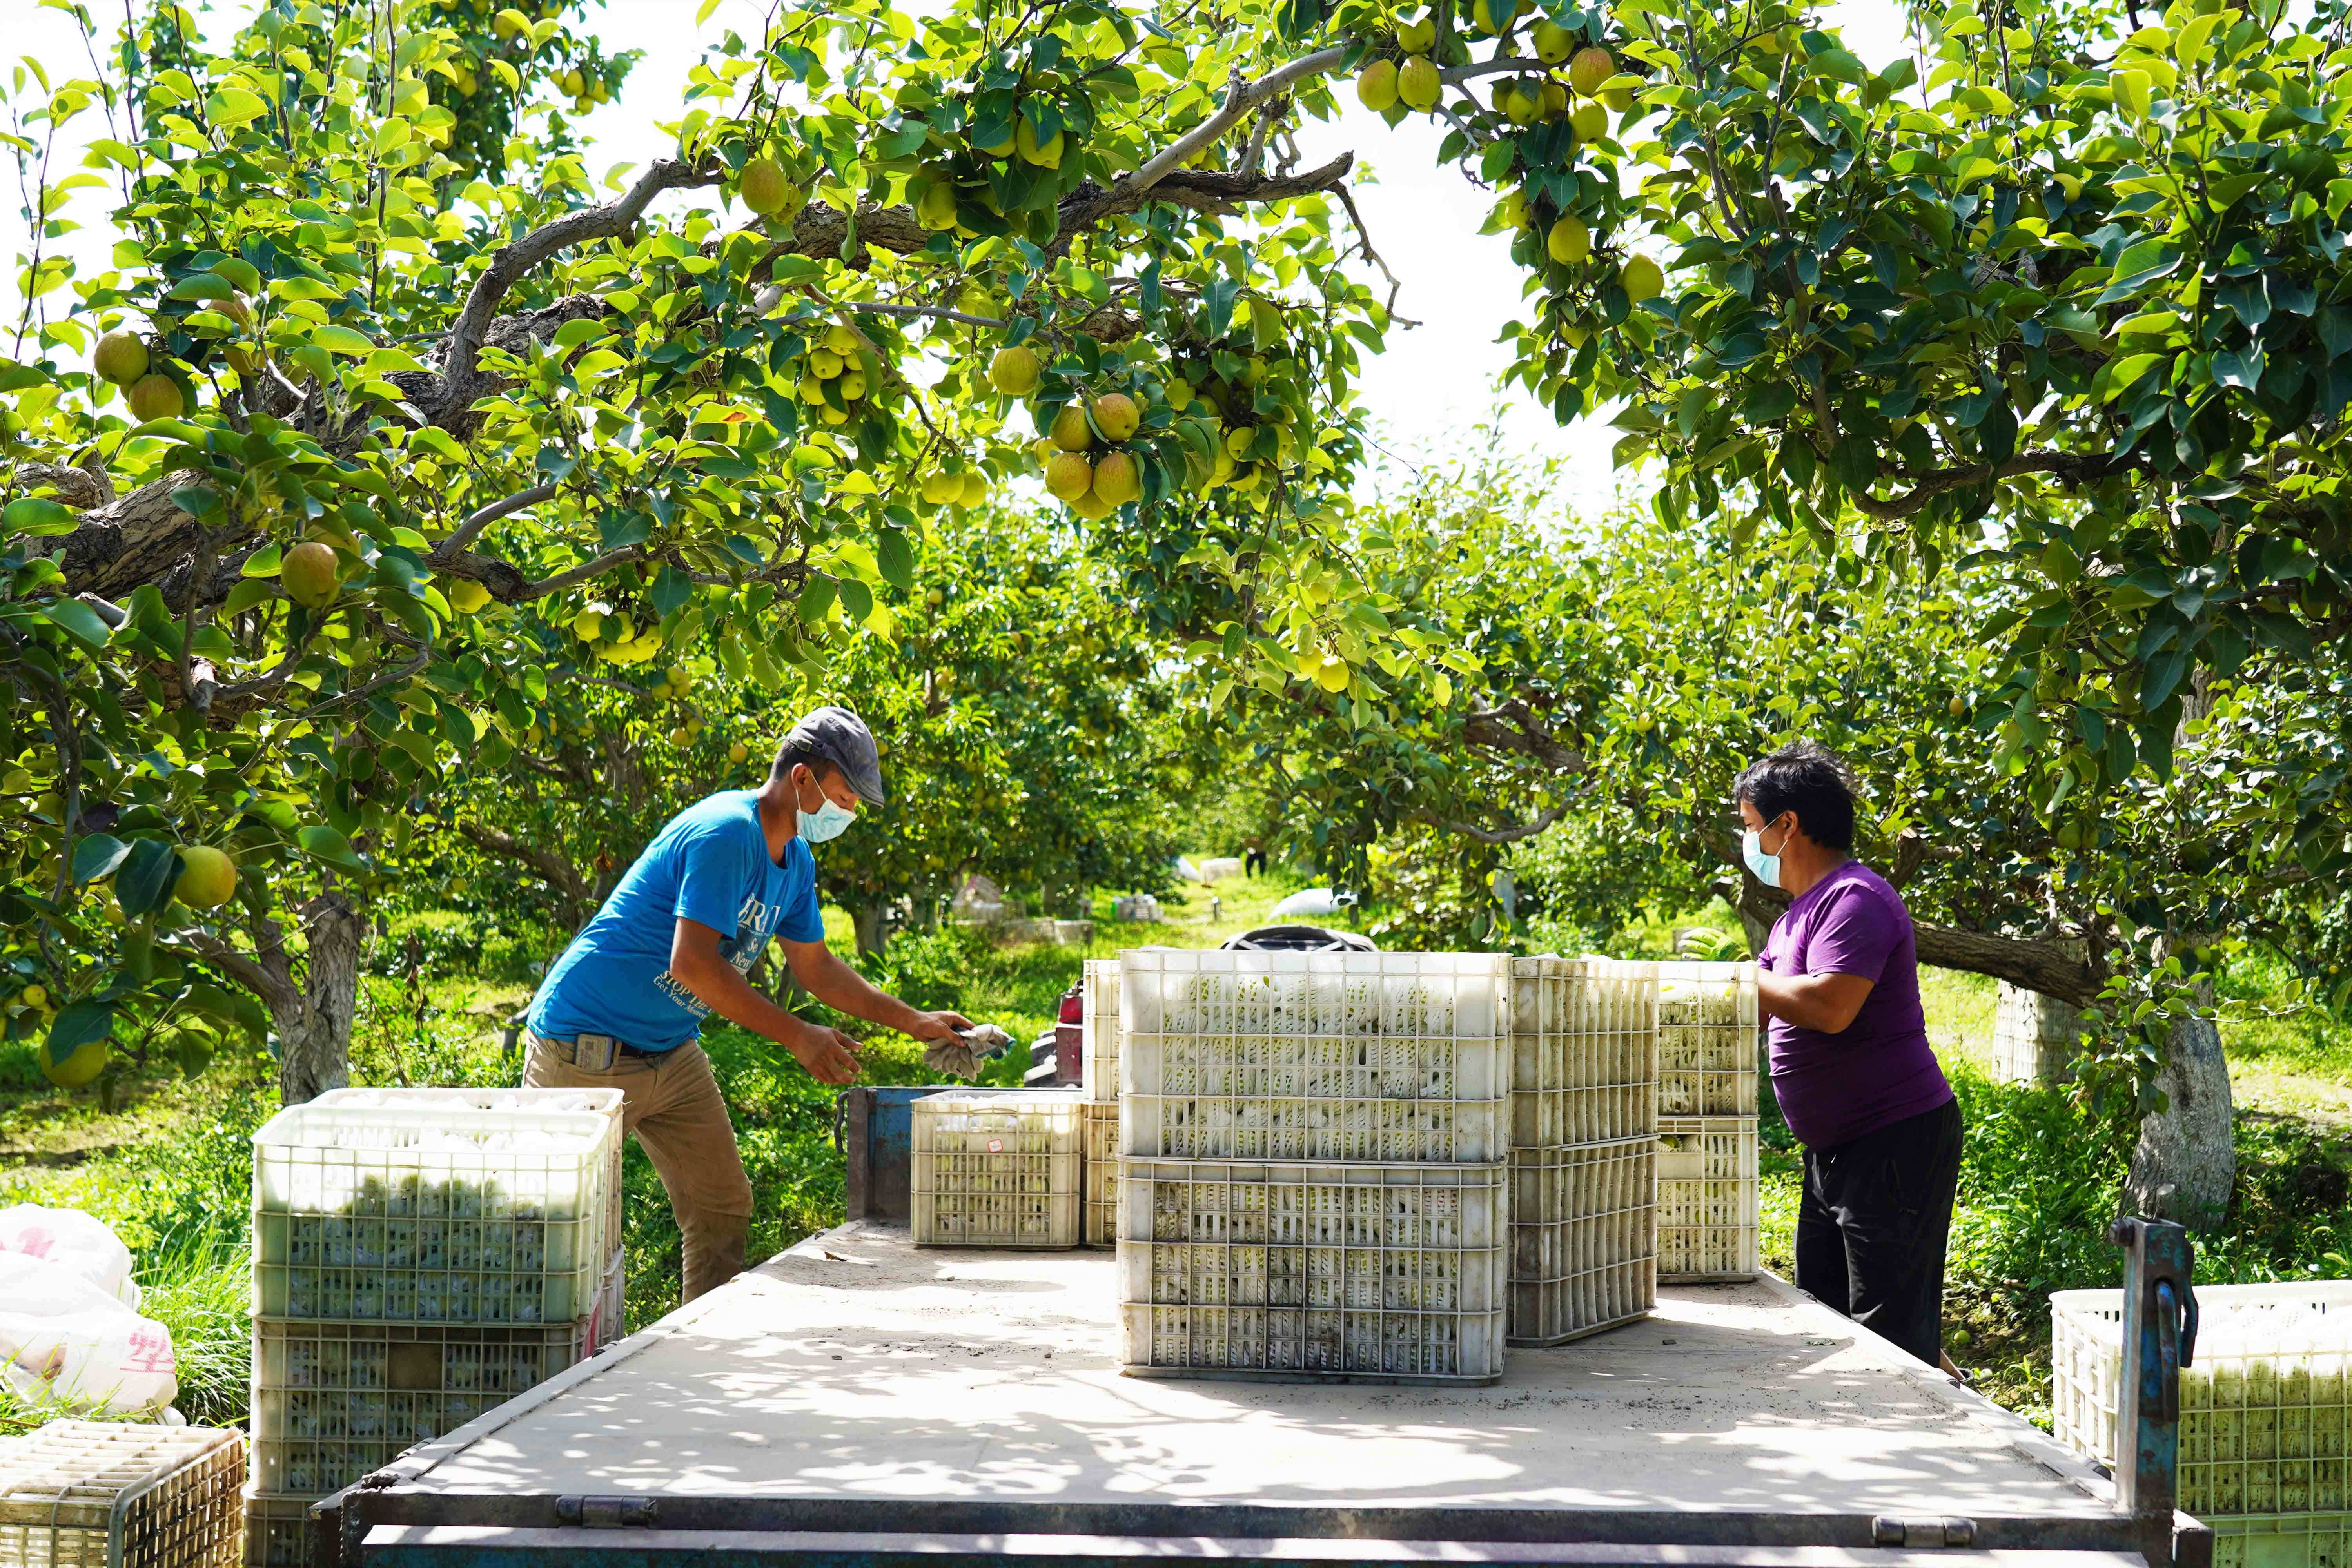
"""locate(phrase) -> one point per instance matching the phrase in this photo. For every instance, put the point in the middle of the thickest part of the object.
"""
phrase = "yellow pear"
(975, 487)
(156, 397)
(120, 358)
(1592, 66)
(465, 596)
(1417, 37)
(1553, 42)
(308, 574)
(1045, 154)
(1643, 278)
(81, 1067)
(842, 341)
(1116, 479)
(1014, 371)
(1331, 673)
(207, 877)
(587, 625)
(1590, 121)
(1569, 241)
(1068, 475)
(739, 753)
(764, 186)
(1417, 83)
(1070, 432)
(1376, 88)
(1117, 415)
(937, 209)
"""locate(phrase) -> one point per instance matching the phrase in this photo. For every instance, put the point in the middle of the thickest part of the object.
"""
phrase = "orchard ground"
(170, 1169)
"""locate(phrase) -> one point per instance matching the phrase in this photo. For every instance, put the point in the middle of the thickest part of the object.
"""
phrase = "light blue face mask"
(826, 821)
(1765, 868)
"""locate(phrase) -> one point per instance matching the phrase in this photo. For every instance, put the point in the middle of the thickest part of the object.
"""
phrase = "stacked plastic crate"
(1584, 1148)
(417, 1261)
(997, 1170)
(2265, 1435)
(1707, 1121)
(1099, 1017)
(1314, 1164)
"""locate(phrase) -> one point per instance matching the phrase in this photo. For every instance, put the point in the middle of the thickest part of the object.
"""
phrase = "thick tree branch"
(1512, 726)
(510, 264)
(1240, 97)
(553, 869)
(2071, 469)
(470, 529)
(1513, 833)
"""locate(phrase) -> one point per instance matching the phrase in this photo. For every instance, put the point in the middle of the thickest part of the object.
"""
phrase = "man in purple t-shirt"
(1839, 980)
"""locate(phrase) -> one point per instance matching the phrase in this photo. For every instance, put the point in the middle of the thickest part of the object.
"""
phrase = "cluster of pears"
(123, 358)
(611, 637)
(948, 487)
(831, 377)
(1080, 453)
(1197, 390)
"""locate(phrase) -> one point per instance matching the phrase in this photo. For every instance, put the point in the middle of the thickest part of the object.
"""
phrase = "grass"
(171, 1169)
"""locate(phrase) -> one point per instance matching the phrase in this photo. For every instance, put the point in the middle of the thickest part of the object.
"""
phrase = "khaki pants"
(672, 1103)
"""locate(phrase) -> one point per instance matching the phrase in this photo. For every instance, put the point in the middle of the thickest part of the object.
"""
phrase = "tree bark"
(872, 918)
(570, 888)
(2186, 1164)
(314, 1023)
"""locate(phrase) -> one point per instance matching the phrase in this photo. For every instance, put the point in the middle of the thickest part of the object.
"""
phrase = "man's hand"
(828, 1055)
(931, 1027)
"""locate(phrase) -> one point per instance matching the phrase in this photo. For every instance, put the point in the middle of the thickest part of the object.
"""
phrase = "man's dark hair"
(1810, 779)
(797, 750)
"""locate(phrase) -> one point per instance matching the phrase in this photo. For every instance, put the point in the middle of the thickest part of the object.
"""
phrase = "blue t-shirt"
(709, 865)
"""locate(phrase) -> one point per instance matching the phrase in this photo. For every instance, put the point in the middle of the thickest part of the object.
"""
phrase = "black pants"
(1872, 1224)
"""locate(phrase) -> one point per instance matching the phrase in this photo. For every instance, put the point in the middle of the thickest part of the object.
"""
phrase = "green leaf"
(2127, 371)
(897, 559)
(145, 879)
(79, 619)
(234, 106)
(262, 563)
(342, 341)
(585, 330)
(201, 286)
(323, 843)
(1841, 65)
(38, 516)
(79, 1023)
(97, 855)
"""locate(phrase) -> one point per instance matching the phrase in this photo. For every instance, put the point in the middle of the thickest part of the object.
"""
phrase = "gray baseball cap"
(841, 737)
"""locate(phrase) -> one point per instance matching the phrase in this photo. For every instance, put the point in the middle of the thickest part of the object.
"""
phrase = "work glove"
(960, 1057)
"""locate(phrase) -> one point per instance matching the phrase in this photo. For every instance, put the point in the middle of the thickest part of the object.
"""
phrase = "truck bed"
(857, 1383)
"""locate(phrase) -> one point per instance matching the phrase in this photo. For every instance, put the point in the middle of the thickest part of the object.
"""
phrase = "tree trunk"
(2186, 1162)
(314, 1024)
(872, 918)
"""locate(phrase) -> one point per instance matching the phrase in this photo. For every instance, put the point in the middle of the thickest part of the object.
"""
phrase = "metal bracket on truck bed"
(609, 1512)
(1886, 1530)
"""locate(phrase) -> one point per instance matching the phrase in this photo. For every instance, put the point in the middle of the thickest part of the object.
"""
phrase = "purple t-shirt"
(1880, 1070)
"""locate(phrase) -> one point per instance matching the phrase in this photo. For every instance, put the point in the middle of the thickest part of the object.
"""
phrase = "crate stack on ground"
(1584, 1146)
(2033, 1035)
(419, 1259)
(102, 1494)
(2265, 1435)
(1707, 1022)
(1098, 1018)
(1313, 1165)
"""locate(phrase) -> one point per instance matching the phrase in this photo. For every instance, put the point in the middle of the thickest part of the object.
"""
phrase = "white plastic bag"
(74, 1240)
(65, 1341)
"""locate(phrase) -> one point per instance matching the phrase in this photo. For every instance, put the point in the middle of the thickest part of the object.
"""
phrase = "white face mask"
(1766, 868)
(826, 821)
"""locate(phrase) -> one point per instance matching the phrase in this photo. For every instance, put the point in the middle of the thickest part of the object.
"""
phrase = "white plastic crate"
(1583, 1239)
(2281, 1540)
(277, 1530)
(2265, 1409)
(415, 1214)
(2033, 1035)
(1102, 1173)
(1583, 1051)
(332, 1402)
(1706, 1199)
(1392, 1273)
(606, 1103)
(1099, 1017)
(1377, 1057)
(100, 1494)
(998, 1170)
(1706, 1039)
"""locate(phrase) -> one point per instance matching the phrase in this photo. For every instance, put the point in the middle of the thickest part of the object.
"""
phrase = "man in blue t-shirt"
(623, 1007)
